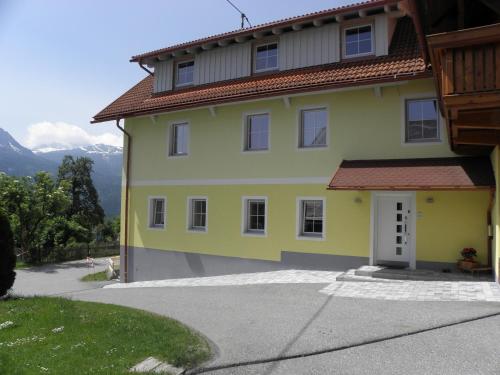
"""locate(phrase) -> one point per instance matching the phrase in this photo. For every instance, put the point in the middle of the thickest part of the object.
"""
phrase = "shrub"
(7, 256)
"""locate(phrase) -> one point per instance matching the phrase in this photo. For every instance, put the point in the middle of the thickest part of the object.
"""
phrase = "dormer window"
(266, 57)
(358, 41)
(184, 73)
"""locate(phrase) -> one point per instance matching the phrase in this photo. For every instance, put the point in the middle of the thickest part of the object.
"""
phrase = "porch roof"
(457, 173)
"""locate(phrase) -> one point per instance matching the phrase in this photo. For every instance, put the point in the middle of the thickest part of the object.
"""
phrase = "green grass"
(98, 276)
(21, 265)
(96, 339)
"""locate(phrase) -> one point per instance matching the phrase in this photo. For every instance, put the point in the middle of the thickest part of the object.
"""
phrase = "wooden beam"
(297, 27)
(480, 100)
(318, 23)
(377, 91)
(487, 116)
(164, 57)
(339, 18)
(277, 30)
(208, 46)
(241, 39)
(286, 102)
(466, 37)
(478, 137)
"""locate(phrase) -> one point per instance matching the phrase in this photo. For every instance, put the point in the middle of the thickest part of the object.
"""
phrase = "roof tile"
(403, 62)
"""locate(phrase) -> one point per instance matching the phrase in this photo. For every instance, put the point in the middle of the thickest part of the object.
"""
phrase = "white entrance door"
(393, 227)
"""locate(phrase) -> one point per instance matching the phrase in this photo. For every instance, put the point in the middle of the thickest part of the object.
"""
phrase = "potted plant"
(468, 261)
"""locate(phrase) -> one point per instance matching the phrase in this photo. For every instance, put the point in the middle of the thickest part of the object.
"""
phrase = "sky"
(62, 61)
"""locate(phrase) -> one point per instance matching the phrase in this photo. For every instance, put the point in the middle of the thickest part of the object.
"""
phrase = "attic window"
(184, 73)
(358, 41)
(266, 57)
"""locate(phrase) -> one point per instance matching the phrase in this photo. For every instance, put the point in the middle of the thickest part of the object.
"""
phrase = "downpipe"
(127, 188)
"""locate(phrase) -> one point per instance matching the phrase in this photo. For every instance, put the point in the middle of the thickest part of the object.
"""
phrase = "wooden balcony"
(466, 66)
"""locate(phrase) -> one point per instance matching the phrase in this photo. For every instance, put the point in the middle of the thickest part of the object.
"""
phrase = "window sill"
(257, 151)
(312, 148)
(196, 230)
(180, 156)
(264, 71)
(305, 237)
(156, 228)
(254, 234)
(423, 142)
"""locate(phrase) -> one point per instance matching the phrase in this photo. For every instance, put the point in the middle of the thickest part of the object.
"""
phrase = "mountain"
(17, 160)
(107, 170)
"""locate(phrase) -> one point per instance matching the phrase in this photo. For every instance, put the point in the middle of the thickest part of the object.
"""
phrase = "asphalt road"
(266, 323)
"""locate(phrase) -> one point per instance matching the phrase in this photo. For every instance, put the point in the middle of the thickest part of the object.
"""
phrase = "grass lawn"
(95, 338)
(21, 265)
(98, 276)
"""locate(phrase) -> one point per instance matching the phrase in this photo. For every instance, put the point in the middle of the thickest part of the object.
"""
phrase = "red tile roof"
(402, 63)
(265, 26)
(471, 173)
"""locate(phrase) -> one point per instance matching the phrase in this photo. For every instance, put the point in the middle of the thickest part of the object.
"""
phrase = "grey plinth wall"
(150, 264)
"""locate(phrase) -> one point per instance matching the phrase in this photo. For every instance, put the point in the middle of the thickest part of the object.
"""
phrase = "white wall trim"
(236, 181)
(298, 219)
(188, 214)
(149, 221)
(244, 216)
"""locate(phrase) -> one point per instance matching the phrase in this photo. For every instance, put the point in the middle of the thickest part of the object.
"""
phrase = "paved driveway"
(316, 333)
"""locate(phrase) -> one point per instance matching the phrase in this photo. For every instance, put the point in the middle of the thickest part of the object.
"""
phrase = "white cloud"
(60, 135)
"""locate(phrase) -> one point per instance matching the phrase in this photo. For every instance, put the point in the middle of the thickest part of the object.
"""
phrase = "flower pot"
(467, 264)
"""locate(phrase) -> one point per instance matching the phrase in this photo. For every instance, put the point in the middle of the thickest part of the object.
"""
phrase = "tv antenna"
(243, 15)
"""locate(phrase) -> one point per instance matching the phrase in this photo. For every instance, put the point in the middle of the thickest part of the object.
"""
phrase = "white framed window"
(311, 218)
(313, 129)
(256, 132)
(266, 57)
(254, 220)
(422, 123)
(184, 73)
(358, 41)
(157, 207)
(179, 139)
(197, 214)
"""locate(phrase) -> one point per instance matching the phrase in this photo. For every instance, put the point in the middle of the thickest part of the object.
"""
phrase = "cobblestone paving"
(272, 277)
(417, 290)
(396, 290)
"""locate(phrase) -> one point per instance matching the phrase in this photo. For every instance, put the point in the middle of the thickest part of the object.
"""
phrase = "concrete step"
(367, 271)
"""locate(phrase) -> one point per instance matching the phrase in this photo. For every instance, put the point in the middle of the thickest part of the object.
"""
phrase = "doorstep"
(376, 273)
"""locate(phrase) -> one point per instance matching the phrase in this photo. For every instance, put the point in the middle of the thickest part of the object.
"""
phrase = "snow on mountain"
(17, 160)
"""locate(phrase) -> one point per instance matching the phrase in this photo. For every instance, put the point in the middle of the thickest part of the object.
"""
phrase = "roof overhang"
(395, 8)
(462, 173)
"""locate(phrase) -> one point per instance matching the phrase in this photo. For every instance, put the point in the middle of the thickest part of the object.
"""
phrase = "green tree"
(7, 255)
(32, 205)
(109, 230)
(84, 207)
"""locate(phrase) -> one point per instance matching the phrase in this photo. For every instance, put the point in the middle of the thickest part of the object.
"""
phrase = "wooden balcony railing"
(466, 65)
(471, 69)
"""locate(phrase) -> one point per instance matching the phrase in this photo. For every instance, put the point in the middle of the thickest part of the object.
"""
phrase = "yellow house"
(313, 142)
